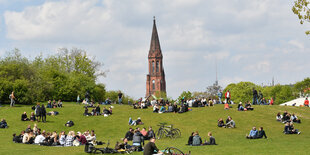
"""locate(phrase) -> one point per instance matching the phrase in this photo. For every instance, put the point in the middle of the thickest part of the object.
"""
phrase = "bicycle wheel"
(159, 133)
(174, 133)
(172, 151)
(179, 132)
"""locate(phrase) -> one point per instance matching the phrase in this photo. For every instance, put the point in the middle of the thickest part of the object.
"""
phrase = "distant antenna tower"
(216, 81)
(272, 84)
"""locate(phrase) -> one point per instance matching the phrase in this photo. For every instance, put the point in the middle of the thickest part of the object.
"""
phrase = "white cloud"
(221, 55)
(251, 39)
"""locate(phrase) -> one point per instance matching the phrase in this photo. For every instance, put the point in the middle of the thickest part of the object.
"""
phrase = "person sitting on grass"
(144, 133)
(19, 138)
(240, 107)
(129, 134)
(39, 138)
(211, 140)
(3, 123)
(81, 138)
(62, 138)
(32, 117)
(231, 123)
(138, 140)
(253, 134)
(122, 146)
(59, 104)
(175, 107)
(162, 109)
(170, 108)
(279, 117)
(70, 138)
(150, 148)
(54, 104)
(196, 139)
(190, 139)
(220, 123)
(24, 117)
(261, 133)
(106, 112)
(248, 106)
(86, 113)
(295, 119)
(49, 104)
(286, 117)
(156, 108)
(150, 133)
(289, 129)
(97, 110)
(226, 106)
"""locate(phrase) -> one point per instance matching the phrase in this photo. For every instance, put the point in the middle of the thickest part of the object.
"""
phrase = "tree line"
(243, 92)
(60, 76)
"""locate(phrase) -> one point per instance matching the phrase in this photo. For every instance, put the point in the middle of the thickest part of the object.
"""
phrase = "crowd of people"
(41, 137)
(96, 111)
(287, 117)
(137, 137)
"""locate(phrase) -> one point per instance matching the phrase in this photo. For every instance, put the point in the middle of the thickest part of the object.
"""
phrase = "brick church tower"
(155, 80)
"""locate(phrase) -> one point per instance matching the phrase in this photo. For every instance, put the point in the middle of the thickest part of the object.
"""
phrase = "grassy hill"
(231, 141)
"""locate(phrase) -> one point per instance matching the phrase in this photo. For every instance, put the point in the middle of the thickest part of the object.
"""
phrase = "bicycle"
(167, 131)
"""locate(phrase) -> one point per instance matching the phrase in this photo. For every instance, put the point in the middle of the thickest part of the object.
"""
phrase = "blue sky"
(249, 40)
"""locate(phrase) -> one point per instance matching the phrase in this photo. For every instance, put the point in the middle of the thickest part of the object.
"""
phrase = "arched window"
(153, 83)
(153, 66)
(157, 66)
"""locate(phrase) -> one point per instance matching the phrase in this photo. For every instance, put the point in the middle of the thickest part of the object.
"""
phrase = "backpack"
(196, 141)
(69, 124)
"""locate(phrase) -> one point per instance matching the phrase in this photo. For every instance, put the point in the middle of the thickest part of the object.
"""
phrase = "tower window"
(153, 83)
(157, 66)
(153, 66)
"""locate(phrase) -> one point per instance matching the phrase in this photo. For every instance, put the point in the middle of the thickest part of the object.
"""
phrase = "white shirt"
(39, 139)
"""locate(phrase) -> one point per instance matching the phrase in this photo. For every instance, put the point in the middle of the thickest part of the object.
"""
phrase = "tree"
(186, 95)
(302, 10)
(241, 92)
(213, 90)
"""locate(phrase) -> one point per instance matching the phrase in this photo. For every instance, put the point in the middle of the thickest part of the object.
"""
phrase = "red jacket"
(306, 102)
(226, 95)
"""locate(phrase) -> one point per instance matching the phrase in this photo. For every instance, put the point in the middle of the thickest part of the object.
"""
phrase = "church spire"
(155, 46)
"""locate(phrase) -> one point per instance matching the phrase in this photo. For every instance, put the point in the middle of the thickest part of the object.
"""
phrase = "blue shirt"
(253, 133)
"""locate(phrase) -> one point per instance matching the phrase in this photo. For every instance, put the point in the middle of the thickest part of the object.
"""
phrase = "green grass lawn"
(231, 141)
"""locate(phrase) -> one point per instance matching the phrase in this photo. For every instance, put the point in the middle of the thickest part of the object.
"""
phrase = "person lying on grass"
(248, 106)
(135, 122)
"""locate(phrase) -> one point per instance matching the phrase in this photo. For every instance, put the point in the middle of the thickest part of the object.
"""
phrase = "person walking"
(43, 113)
(78, 99)
(120, 97)
(255, 95)
(12, 97)
(227, 96)
(219, 94)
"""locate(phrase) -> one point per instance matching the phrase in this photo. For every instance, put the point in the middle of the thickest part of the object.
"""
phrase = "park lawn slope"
(114, 127)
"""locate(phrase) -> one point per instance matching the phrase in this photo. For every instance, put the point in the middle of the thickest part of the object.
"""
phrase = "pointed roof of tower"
(155, 46)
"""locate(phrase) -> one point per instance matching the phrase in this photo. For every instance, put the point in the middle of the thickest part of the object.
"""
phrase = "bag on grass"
(69, 124)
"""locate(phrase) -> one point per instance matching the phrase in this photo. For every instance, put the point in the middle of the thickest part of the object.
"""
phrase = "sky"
(247, 40)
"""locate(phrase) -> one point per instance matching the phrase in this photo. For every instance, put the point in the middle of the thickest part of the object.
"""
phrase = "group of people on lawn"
(171, 108)
(96, 111)
(41, 137)
(54, 104)
(288, 119)
(195, 140)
